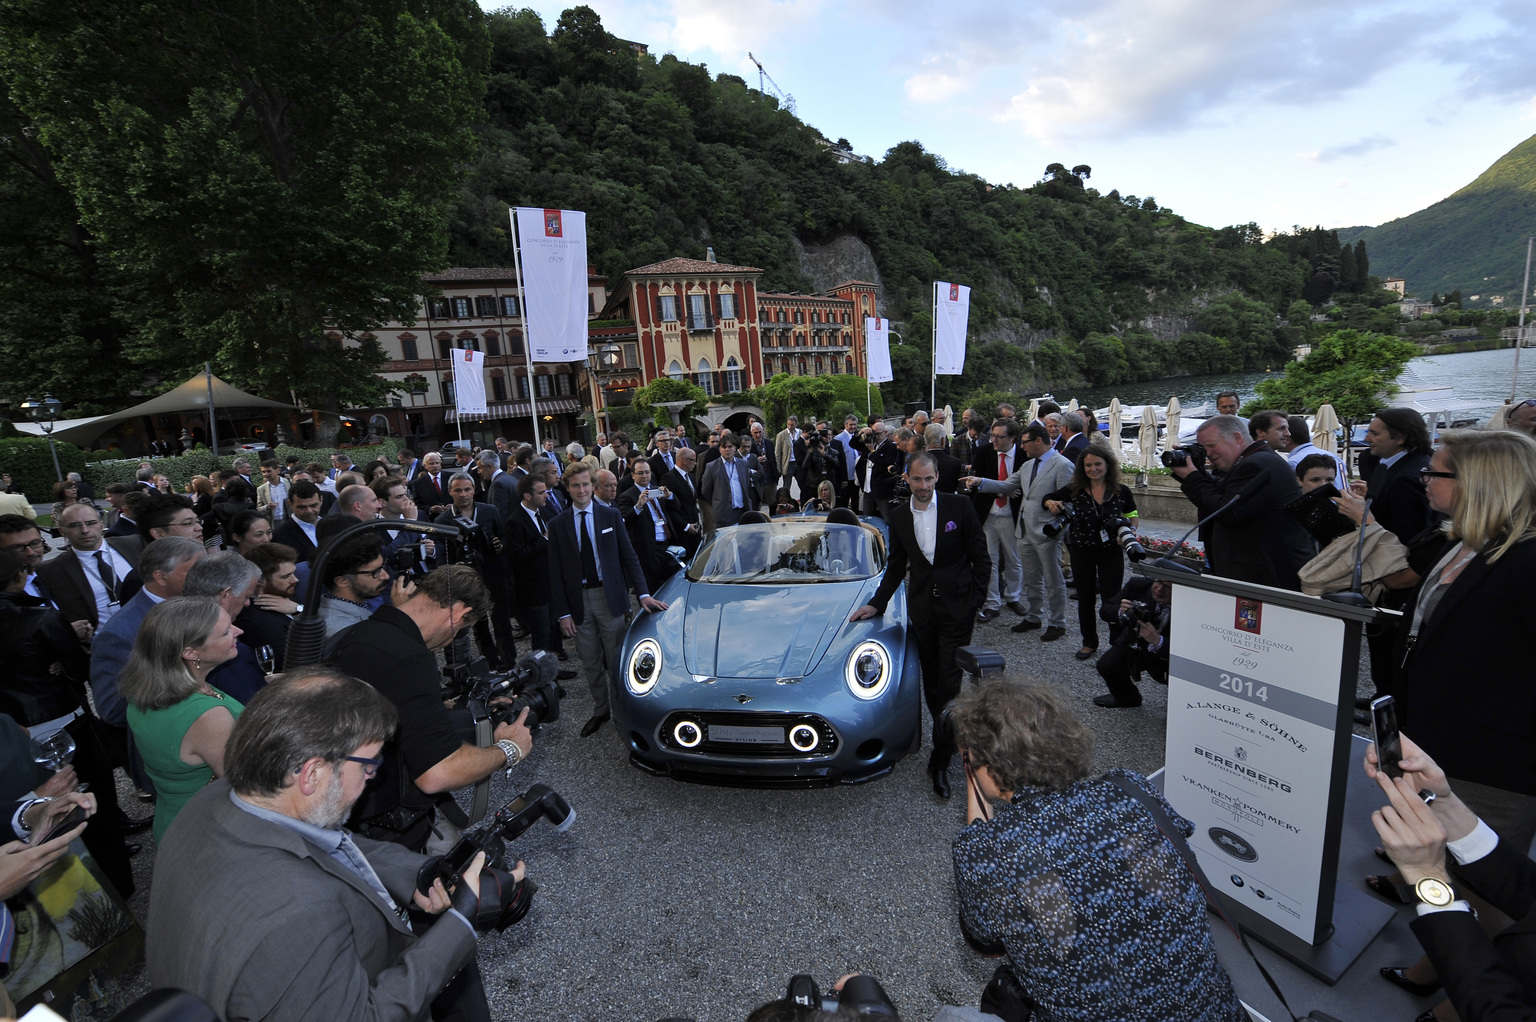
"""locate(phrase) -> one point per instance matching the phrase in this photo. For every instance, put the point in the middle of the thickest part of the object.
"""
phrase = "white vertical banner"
(469, 382)
(951, 310)
(877, 350)
(552, 245)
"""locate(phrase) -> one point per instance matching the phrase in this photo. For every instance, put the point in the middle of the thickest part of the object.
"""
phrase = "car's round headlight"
(868, 670)
(644, 668)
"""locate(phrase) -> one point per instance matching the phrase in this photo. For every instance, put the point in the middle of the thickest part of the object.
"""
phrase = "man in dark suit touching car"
(590, 563)
(937, 538)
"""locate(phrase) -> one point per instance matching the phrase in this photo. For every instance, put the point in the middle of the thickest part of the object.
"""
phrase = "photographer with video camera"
(1101, 512)
(428, 758)
(325, 929)
(484, 549)
(1139, 639)
(1248, 534)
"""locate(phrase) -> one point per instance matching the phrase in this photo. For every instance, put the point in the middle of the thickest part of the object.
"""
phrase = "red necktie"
(1002, 476)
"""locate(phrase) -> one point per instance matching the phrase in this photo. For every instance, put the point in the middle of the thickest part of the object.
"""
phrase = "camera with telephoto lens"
(861, 995)
(405, 563)
(503, 899)
(1194, 455)
(1060, 521)
(532, 684)
(1125, 534)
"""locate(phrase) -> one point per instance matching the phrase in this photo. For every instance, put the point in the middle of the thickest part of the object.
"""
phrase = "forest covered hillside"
(1472, 241)
(1075, 285)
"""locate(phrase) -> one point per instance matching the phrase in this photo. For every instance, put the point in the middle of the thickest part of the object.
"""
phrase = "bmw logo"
(1237, 880)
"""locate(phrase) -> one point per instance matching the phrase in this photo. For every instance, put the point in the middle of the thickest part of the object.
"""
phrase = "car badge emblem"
(743, 699)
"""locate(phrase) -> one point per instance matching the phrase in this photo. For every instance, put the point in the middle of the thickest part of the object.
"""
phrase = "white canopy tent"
(195, 395)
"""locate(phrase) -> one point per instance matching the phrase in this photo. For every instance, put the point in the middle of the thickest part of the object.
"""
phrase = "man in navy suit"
(590, 563)
(1073, 440)
(938, 538)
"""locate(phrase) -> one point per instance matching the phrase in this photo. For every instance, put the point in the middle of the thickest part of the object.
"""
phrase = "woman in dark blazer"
(1465, 682)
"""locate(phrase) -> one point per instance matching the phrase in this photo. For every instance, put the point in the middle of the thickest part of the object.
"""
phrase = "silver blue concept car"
(755, 676)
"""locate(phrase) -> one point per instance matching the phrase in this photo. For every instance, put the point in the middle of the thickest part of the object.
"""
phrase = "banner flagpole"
(522, 307)
(933, 364)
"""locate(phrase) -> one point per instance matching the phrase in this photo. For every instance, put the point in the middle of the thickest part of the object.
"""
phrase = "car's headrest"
(842, 516)
(753, 518)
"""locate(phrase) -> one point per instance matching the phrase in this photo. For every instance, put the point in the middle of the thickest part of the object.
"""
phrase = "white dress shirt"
(106, 603)
(926, 525)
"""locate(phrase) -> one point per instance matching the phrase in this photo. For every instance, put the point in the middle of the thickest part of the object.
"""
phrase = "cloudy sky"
(1275, 111)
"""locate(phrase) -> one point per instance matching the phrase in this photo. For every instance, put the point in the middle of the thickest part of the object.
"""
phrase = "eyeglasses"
(382, 571)
(36, 544)
(370, 766)
(1427, 474)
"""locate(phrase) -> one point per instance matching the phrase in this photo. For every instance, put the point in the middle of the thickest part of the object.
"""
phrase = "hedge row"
(31, 467)
(181, 468)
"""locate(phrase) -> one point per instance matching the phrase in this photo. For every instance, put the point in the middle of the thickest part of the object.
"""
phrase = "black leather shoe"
(594, 722)
(984, 616)
(564, 675)
(1394, 974)
(1025, 626)
(1052, 633)
(1385, 887)
(1086, 653)
(939, 774)
(128, 825)
(1362, 704)
(1018, 608)
(1110, 702)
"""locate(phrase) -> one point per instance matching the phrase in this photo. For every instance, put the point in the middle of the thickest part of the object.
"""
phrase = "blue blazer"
(109, 655)
(616, 561)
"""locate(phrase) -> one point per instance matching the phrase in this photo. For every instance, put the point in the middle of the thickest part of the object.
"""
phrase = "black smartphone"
(69, 823)
(1389, 745)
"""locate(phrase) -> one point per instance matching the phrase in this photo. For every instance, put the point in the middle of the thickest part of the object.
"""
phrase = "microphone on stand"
(1169, 563)
(1354, 598)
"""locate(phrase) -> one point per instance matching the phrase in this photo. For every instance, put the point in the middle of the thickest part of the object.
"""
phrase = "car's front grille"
(750, 734)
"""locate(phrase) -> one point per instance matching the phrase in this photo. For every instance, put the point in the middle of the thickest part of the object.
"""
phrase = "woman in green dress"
(180, 722)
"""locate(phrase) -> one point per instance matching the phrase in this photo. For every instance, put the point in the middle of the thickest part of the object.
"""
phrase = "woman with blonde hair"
(180, 722)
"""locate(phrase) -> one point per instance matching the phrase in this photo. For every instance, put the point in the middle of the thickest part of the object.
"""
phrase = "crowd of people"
(155, 639)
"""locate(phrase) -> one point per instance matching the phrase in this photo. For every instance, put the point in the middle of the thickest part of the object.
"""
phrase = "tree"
(803, 396)
(263, 179)
(1349, 369)
(664, 390)
(1082, 172)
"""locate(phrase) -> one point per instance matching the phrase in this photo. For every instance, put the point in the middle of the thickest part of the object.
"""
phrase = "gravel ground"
(674, 899)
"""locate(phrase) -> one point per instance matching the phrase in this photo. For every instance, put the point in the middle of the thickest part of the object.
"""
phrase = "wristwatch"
(510, 750)
(1434, 892)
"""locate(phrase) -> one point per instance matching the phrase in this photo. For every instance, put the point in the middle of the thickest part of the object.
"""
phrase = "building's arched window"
(767, 369)
(819, 369)
(802, 368)
(675, 370)
(704, 378)
(836, 365)
(850, 365)
(732, 381)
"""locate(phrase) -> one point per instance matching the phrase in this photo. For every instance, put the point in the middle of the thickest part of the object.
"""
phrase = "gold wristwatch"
(1434, 893)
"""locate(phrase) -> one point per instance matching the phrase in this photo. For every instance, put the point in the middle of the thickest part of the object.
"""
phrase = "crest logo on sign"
(552, 223)
(954, 292)
(469, 357)
(1248, 615)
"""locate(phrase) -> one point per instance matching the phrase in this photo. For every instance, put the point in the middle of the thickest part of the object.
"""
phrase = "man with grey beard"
(336, 940)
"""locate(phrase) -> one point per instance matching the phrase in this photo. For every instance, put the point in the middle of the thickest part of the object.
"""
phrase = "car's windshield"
(793, 551)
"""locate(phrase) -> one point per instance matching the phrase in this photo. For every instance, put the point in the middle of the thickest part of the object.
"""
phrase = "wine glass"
(267, 657)
(54, 752)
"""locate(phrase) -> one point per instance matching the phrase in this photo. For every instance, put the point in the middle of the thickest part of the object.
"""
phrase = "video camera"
(532, 683)
(861, 995)
(1194, 455)
(503, 900)
(1120, 527)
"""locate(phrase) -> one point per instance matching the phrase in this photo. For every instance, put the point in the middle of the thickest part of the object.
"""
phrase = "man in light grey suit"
(322, 931)
(1045, 589)
(727, 486)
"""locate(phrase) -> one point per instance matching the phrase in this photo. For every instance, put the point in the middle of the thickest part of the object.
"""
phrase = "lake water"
(1475, 375)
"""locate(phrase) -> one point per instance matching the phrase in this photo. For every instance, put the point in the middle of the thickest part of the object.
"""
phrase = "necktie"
(1034, 472)
(1002, 474)
(584, 540)
(437, 482)
(353, 856)
(539, 521)
(108, 576)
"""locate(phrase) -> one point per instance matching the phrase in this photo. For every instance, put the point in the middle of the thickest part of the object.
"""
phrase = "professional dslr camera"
(532, 684)
(405, 563)
(1194, 455)
(1139, 611)
(474, 547)
(1119, 527)
(503, 900)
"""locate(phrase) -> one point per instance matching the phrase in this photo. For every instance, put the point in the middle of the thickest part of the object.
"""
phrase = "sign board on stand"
(1261, 689)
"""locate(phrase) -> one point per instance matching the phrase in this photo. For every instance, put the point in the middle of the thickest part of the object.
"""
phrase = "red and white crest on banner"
(469, 357)
(552, 223)
(954, 292)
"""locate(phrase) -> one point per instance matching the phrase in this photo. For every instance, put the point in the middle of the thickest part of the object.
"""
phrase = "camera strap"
(481, 800)
(1213, 897)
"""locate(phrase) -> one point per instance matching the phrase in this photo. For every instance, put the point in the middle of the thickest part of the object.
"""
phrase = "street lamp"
(45, 413)
(606, 357)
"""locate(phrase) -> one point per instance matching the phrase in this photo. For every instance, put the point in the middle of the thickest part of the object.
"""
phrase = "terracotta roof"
(779, 296)
(476, 274)
(679, 265)
(853, 283)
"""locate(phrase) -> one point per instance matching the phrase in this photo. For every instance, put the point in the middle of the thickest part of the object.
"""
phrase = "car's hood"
(749, 631)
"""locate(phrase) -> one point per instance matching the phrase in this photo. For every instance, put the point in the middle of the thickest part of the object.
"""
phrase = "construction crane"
(765, 80)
